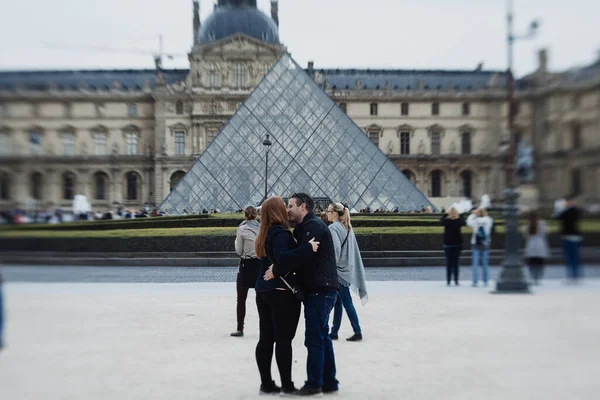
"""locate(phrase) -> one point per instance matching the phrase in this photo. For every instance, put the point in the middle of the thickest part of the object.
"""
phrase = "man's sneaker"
(355, 338)
(309, 391)
(288, 389)
(333, 337)
(270, 389)
(237, 334)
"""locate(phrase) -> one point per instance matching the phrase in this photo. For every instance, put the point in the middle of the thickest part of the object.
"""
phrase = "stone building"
(125, 137)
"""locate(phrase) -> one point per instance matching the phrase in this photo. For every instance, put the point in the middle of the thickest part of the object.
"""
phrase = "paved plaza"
(423, 340)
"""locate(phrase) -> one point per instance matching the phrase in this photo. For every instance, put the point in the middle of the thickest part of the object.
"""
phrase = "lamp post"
(267, 143)
(512, 278)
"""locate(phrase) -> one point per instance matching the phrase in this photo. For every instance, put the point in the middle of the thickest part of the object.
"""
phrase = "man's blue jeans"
(571, 250)
(320, 365)
(344, 300)
(483, 255)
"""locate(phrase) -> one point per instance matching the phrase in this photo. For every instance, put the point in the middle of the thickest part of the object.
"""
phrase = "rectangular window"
(5, 145)
(405, 143)
(343, 107)
(35, 143)
(239, 75)
(131, 110)
(373, 108)
(435, 109)
(576, 182)
(179, 143)
(466, 109)
(404, 108)
(466, 142)
(131, 144)
(100, 143)
(68, 142)
(213, 78)
(374, 136)
(576, 136)
(68, 110)
(3, 110)
(435, 143)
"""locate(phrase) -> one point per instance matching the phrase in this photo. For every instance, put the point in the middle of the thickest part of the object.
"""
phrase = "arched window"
(132, 181)
(466, 143)
(68, 186)
(175, 178)
(100, 183)
(4, 186)
(466, 178)
(409, 175)
(35, 186)
(436, 183)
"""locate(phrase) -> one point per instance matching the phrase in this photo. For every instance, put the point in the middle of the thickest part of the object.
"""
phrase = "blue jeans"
(484, 256)
(571, 251)
(320, 364)
(344, 299)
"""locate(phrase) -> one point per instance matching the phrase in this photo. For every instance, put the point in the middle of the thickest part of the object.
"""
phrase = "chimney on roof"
(275, 11)
(479, 67)
(196, 21)
(311, 65)
(542, 61)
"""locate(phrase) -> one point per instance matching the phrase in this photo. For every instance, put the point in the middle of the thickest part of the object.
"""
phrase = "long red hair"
(272, 212)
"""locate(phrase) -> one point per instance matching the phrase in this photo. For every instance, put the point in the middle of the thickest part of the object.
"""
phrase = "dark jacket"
(452, 231)
(317, 270)
(280, 247)
(570, 221)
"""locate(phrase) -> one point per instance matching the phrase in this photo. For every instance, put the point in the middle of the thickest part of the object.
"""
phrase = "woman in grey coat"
(249, 264)
(351, 272)
(536, 248)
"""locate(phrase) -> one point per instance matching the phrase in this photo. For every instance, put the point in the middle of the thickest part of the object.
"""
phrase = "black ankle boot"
(272, 388)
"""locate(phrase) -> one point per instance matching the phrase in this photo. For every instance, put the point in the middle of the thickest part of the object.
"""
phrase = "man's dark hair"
(304, 198)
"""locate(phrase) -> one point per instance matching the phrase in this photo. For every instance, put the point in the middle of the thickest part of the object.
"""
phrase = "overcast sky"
(420, 34)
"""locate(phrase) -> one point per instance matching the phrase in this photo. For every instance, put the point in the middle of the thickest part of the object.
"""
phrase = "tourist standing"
(278, 307)
(248, 266)
(536, 247)
(350, 269)
(481, 241)
(453, 243)
(571, 237)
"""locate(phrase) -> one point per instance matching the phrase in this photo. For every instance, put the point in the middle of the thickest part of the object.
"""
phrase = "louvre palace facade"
(124, 138)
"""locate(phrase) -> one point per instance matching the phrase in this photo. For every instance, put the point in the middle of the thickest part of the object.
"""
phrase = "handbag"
(249, 269)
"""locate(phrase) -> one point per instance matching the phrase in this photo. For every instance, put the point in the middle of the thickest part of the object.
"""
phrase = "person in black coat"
(278, 307)
(320, 282)
(571, 237)
(453, 224)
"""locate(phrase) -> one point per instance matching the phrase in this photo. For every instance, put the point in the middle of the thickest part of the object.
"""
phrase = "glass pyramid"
(316, 149)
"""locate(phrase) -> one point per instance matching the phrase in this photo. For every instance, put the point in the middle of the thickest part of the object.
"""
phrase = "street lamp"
(267, 143)
(512, 278)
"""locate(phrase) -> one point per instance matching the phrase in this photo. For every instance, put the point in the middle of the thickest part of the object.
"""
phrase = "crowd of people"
(534, 233)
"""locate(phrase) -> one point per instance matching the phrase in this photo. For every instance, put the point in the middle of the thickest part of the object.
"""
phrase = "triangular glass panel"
(315, 148)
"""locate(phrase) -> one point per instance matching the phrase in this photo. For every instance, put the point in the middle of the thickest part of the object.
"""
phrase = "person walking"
(536, 247)
(249, 264)
(350, 269)
(481, 240)
(453, 243)
(320, 283)
(278, 307)
(571, 237)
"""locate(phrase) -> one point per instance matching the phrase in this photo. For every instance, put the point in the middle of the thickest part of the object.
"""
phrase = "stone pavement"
(423, 340)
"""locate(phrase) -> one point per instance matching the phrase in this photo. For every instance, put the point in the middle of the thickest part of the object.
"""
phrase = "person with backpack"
(481, 240)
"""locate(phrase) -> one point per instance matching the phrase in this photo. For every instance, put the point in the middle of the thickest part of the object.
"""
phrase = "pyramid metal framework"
(317, 149)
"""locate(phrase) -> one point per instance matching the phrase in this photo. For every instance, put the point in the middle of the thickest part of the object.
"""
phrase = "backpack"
(481, 237)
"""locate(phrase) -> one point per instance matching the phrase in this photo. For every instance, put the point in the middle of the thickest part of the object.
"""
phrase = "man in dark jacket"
(571, 237)
(320, 283)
